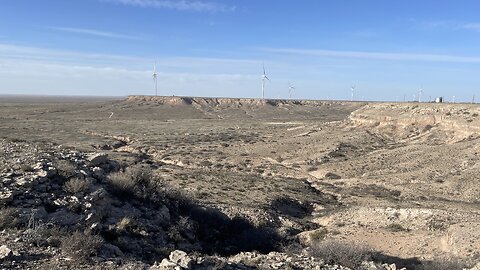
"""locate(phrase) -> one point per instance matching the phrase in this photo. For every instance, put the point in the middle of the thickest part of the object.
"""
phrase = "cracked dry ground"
(407, 198)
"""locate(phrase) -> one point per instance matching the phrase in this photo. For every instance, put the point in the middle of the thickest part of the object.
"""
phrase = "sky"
(388, 49)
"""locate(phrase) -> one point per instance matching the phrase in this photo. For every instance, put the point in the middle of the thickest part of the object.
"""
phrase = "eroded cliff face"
(236, 108)
(442, 123)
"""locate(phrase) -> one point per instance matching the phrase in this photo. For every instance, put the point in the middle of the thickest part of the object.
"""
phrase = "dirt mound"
(444, 123)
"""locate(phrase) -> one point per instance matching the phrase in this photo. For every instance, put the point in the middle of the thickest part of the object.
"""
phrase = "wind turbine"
(264, 77)
(290, 90)
(420, 92)
(155, 75)
(353, 91)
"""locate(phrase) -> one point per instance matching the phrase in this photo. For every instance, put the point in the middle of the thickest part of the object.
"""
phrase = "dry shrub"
(26, 168)
(39, 233)
(65, 168)
(125, 224)
(80, 246)
(131, 179)
(77, 185)
(319, 235)
(346, 254)
(396, 227)
(139, 182)
(43, 235)
(444, 263)
(9, 218)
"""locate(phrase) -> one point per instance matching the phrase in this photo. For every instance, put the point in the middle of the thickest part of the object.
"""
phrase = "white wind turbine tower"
(290, 90)
(420, 92)
(264, 77)
(353, 92)
(155, 75)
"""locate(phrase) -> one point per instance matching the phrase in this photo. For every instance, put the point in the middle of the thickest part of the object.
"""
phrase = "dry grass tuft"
(133, 179)
(77, 185)
(65, 168)
(346, 254)
(9, 218)
(80, 246)
(396, 227)
(319, 235)
(444, 263)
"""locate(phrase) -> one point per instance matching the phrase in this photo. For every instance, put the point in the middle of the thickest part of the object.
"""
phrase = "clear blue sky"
(387, 48)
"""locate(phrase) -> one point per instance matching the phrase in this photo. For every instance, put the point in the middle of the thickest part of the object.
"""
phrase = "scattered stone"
(166, 265)
(22, 181)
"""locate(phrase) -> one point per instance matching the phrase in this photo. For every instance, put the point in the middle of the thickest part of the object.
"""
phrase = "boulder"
(22, 181)
(6, 196)
(97, 195)
(332, 176)
(48, 172)
(99, 173)
(181, 258)
(64, 218)
(98, 159)
(5, 252)
(110, 251)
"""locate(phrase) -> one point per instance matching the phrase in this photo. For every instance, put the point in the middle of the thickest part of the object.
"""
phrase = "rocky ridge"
(424, 121)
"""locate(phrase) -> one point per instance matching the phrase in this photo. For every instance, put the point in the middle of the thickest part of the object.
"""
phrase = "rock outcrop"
(402, 121)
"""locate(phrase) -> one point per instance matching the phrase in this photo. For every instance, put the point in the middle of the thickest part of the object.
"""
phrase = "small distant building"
(439, 100)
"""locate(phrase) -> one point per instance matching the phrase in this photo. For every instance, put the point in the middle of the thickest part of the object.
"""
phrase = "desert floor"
(402, 178)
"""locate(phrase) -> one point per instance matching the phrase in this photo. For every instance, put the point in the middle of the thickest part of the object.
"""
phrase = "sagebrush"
(346, 254)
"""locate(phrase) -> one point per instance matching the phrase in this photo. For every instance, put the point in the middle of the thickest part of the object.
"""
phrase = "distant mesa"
(223, 101)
